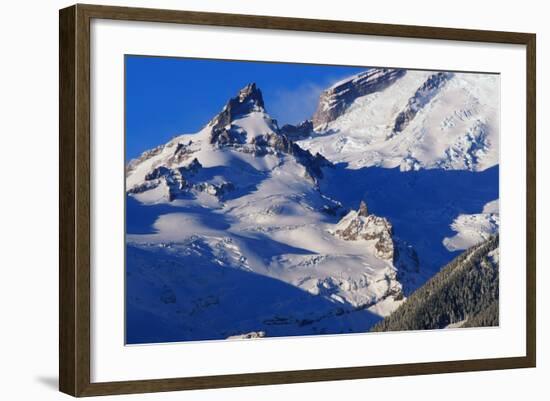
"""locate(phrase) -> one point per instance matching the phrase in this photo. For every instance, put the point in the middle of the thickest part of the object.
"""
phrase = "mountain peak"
(248, 100)
(363, 210)
(251, 95)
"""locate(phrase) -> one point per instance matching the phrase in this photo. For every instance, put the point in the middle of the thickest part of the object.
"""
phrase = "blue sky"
(169, 96)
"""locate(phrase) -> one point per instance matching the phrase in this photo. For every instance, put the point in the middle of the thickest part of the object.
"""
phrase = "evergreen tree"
(466, 289)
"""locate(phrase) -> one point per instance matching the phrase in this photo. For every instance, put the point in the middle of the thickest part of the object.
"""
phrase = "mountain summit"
(251, 95)
(248, 100)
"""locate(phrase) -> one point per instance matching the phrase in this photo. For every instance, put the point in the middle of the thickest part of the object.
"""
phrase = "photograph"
(271, 199)
(274, 201)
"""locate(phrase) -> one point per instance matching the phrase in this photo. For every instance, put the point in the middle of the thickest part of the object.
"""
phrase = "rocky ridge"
(336, 100)
(421, 97)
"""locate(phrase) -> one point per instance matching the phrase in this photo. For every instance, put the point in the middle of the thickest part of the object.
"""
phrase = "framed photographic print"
(250, 200)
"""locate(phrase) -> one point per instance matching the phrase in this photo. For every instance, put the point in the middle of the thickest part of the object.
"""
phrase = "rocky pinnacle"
(363, 211)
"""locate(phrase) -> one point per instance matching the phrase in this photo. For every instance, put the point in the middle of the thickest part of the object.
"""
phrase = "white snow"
(253, 124)
(247, 336)
(457, 129)
(471, 229)
(272, 227)
(262, 258)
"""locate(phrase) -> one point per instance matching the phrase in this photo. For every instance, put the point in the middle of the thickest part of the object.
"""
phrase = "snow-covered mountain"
(409, 119)
(217, 218)
(245, 229)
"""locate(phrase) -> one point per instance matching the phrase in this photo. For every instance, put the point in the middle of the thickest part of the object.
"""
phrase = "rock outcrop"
(279, 142)
(248, 99)
(335, 100)
(174, 180)
(422, 96)
(297, 132)
(363, 210)
(359, 225)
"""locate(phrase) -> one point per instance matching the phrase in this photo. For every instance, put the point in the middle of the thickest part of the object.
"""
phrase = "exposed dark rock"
(192, 167)
(248, 99)
(174, 179)
(363, 211)
(146, 186)
(213, 189)
(297, 132)
(279, 142)
(336, 100)
(227, 136)
(355, 226)
(182, 153)
(157, 173)
(273, 140)
(422, 96)
(312, 163)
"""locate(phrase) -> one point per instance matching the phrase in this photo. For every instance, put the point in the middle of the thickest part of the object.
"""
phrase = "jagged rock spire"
(363, 210)
(251, 95)
(358, 226)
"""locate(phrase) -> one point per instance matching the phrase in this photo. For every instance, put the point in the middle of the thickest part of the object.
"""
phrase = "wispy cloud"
(293, 105)
(290, 106)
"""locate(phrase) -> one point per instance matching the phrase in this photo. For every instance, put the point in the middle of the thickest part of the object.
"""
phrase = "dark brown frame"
(74, 199)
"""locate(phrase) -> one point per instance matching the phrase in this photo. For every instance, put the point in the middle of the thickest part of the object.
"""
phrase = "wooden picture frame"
(75, 207)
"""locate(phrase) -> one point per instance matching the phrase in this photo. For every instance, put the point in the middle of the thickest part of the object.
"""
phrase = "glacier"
(248, 230)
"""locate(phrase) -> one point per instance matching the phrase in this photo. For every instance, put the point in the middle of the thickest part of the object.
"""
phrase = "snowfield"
(457, 129)
(237, 232)
(471, 229)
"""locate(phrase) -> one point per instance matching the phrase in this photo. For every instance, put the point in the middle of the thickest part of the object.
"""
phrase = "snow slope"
(236, 231)
(471, 229)
(452, 123)
(229, 235)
